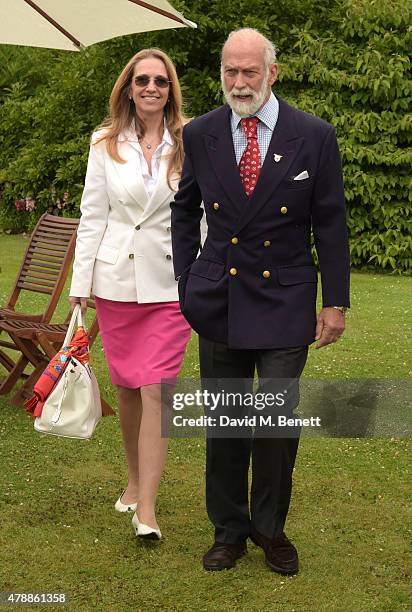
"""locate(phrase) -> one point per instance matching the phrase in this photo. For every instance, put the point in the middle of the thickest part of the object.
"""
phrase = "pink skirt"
(143, 343)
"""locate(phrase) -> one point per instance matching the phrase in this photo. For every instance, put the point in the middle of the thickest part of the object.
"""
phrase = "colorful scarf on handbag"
(79, 348)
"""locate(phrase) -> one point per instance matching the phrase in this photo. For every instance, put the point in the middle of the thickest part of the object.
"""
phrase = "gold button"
(131, 256)
(266, 274)
(233, 271)
(234, 240)
(266, 243)
(216, 206)
(283, 210)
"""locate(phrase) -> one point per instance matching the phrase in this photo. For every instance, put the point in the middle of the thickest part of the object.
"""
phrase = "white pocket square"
(302, 176)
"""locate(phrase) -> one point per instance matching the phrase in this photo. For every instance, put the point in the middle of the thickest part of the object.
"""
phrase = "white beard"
(246, 109)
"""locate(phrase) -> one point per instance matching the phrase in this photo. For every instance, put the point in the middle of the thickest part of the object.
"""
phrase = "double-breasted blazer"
(254, 285)
(123, 247)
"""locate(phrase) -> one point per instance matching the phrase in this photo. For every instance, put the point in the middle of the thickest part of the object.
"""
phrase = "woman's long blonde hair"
(123, 112)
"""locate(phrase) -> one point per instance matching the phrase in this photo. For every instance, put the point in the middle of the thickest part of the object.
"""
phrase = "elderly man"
(268, 174)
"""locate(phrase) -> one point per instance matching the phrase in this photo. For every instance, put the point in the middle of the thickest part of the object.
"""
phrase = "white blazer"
(124, 247)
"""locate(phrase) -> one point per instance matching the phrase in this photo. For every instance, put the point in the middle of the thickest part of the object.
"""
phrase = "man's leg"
(227, 459)
(273, 458)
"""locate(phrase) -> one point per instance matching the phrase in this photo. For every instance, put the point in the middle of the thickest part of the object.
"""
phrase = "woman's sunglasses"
(143, 81)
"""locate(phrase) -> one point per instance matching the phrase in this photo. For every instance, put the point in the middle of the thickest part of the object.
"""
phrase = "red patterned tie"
(249, 166)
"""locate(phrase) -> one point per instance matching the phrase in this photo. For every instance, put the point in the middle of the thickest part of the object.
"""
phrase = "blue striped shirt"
(268, 116)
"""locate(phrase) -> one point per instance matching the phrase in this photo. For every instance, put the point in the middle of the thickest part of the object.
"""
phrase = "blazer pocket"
(107, 254)
(298, 185)
(294, 275)
(212, 270)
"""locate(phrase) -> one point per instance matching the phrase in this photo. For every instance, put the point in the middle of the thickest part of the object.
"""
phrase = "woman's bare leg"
(152, 453)
(130, 415)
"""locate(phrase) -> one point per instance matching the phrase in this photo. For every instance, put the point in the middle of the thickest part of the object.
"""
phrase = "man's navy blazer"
(254, 283)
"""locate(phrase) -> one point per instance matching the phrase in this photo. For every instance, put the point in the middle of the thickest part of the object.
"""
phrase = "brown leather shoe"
(223, 556)
(280, 554)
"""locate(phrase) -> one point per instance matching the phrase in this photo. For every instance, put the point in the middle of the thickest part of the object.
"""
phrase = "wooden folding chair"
(38, 343)
(44, 270)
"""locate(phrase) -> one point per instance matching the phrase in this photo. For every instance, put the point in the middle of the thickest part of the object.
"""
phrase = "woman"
(124, 256)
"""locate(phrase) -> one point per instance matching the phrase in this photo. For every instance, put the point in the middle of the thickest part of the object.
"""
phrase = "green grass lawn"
(349, 516)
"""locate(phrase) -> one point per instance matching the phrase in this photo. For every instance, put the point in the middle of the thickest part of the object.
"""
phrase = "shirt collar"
(166, 136)
(267, 114)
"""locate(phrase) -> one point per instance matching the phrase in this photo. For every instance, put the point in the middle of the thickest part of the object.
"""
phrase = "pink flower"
(65, 196)
(20, 205)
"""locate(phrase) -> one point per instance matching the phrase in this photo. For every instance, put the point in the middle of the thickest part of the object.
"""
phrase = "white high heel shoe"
(121, 507)
(144, 531)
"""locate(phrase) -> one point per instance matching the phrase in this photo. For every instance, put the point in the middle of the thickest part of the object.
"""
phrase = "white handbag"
(73, 408)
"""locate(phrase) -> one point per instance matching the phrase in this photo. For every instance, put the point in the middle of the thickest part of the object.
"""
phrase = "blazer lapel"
(284, 144)
(221, 152)
(129, 173)
(162, 189)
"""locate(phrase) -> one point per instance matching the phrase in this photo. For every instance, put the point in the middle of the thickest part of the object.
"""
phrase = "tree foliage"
(346, 62)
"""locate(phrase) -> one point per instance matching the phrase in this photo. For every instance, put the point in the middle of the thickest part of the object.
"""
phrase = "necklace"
(147, 144)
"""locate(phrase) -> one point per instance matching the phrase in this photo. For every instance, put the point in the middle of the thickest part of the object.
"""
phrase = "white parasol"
(75, 24)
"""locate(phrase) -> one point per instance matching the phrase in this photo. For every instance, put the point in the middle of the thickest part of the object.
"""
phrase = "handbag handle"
(75, 321)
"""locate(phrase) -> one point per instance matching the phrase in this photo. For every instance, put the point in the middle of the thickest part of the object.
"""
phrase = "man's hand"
(330, 326)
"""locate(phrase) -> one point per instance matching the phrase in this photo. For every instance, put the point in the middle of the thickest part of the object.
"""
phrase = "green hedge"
(344, 61)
